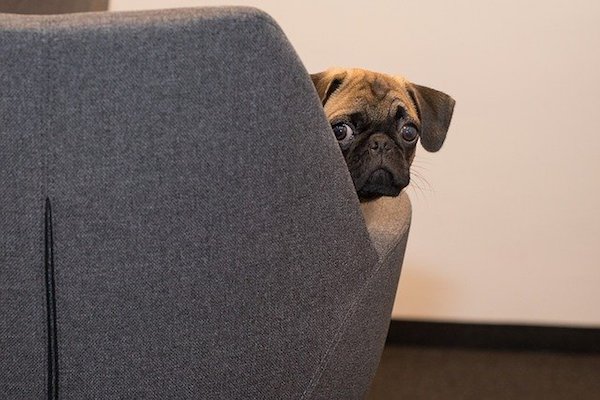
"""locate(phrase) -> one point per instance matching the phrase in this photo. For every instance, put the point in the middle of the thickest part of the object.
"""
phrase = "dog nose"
(380, 143)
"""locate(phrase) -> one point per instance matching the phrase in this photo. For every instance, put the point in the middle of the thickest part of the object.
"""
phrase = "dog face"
(378, 120)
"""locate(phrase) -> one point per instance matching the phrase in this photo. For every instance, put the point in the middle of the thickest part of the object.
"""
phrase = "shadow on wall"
(51, 6)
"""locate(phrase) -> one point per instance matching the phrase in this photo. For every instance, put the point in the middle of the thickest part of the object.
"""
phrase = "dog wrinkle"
(379, 88)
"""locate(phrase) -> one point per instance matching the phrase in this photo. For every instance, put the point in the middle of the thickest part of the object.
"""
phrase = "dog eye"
(409, 133)
(342, 131)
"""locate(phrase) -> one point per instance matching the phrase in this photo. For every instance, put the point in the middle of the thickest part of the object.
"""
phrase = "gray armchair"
(176, 219)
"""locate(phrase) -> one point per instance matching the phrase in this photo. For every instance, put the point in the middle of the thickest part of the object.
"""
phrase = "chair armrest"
(355, 351)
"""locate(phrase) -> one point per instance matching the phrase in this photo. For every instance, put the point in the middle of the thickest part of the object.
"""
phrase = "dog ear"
(327, 82)
(435, 112)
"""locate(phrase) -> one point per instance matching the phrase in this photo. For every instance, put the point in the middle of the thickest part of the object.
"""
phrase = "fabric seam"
(50, 285)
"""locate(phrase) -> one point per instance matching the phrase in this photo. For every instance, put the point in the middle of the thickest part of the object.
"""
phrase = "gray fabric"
(350, 361)
(208, 240)
(352, 358)
(22, 302)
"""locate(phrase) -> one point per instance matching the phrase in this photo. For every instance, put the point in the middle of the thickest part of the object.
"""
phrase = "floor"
(440, 373)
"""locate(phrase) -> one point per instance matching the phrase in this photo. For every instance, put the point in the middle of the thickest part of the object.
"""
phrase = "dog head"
(378, 120)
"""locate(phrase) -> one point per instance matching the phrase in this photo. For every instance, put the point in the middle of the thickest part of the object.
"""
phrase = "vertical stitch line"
(50, 305)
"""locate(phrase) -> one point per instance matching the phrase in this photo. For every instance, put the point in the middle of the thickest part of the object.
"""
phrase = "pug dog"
(377, 120)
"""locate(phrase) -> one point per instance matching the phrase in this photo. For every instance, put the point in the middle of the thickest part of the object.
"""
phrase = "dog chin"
(380, 182)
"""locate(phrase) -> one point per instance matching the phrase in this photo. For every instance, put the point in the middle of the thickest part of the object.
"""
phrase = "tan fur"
(371, 92)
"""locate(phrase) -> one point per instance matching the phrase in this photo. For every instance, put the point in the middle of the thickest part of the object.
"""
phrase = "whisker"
(422, 160)
(421, 183)
(418, 160)
(414, 186)
(420, 166)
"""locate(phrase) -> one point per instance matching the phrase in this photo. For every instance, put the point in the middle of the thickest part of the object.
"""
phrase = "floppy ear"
(435, 112)
(327, 82)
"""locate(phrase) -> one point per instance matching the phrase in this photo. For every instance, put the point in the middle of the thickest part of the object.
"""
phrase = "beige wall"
(507, 226)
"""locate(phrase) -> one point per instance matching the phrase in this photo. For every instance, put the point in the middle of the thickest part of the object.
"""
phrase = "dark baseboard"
(52, 6)
(494, 337)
